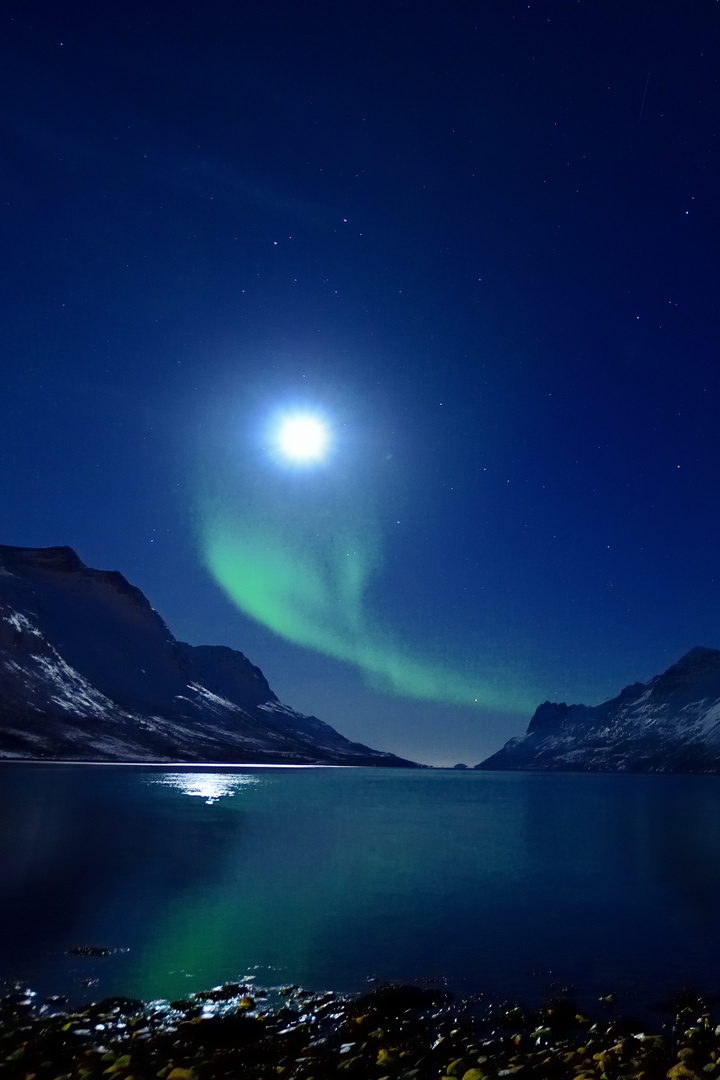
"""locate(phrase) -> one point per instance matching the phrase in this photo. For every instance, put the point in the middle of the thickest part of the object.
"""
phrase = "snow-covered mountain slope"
(90, 672)
(671, 724)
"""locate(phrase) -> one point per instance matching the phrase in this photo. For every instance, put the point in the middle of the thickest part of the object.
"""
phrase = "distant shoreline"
(183, 764)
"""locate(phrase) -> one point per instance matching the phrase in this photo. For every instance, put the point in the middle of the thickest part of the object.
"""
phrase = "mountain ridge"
(90, 671)
(669, 724)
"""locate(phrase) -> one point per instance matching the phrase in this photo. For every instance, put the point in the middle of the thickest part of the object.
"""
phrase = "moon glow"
(302, 439)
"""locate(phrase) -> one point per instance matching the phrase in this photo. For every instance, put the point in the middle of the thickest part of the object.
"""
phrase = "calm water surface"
(504, 883)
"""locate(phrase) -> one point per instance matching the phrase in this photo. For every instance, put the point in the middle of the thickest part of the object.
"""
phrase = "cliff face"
(670, 724)
(90, 672)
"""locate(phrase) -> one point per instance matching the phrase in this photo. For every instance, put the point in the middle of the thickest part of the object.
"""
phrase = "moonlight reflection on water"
(207, 786)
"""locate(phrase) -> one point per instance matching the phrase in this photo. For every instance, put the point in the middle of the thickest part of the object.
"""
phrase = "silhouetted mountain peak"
(89, 671)
(62, 559)
(671, 724)
(548, 715)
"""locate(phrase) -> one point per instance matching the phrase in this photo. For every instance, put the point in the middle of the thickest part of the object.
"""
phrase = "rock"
(460, 1066)
(221, 993)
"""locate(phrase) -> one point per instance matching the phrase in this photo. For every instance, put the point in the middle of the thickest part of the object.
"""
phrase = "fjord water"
(508, 883)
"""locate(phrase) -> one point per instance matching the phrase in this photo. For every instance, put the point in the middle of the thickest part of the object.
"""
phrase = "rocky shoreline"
(392, 1033)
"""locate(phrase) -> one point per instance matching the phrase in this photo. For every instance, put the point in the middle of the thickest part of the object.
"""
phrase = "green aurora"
(297, 550)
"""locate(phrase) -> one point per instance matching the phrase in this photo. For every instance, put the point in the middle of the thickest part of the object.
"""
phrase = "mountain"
(90, 672)
(670, 724)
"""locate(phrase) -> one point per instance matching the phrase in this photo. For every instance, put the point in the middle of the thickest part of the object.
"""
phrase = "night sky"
(478, 242)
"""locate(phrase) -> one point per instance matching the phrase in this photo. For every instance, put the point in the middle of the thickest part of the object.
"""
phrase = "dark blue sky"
(480, 240)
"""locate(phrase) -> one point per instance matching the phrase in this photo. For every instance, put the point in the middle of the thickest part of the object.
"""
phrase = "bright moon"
(302, 438)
